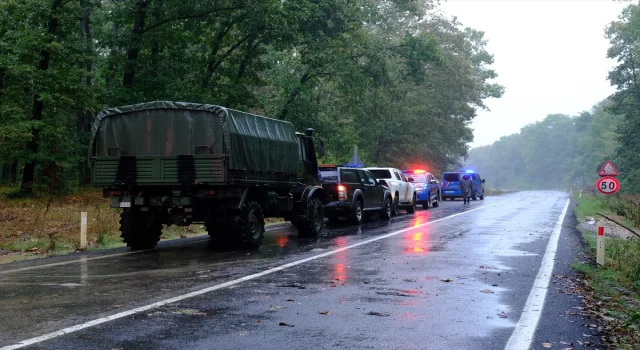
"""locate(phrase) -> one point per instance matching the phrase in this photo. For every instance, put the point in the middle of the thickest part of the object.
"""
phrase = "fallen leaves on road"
(447, 280)
(487, 291)
(290, 300)
(396, 294)
(547, 345)
(374, 313)
(190, 312)
(284, 324)
(292, 285)
(324, 312)
(485, 266)
(502, 314)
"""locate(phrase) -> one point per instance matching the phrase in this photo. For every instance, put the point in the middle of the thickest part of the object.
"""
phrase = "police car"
(451, 185)
(427, 187)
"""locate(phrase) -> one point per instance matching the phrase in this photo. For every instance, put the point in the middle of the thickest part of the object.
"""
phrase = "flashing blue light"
(470, 171)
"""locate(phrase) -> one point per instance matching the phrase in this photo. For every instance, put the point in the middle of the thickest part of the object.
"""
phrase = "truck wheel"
(314, 227)
(482, 197)
(412, 207)
(139, 230)
(385, 212)
(252, 225)
(394, 205)
(356, 217)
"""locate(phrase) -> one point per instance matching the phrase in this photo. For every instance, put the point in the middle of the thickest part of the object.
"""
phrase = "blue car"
(451, 185)
(427, 187)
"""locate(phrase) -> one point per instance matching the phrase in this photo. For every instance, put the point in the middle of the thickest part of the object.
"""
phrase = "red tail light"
(342, 192)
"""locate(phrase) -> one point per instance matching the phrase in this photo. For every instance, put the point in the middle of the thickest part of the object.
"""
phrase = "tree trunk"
(38, 105)
(3, 73)
(88, 37)
(13, 172)
(285, 109)
(83, 117)
(133, 50)
(5, 173)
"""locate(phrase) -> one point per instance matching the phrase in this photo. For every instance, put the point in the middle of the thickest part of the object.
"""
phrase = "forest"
(397, 78)
(566, 152)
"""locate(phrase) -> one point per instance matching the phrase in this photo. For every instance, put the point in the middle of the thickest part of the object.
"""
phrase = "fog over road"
(454, 277)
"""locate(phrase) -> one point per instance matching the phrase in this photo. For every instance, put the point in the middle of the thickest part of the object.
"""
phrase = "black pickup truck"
(353, 192)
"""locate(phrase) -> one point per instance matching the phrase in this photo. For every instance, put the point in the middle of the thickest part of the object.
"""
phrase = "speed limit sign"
(608, 185)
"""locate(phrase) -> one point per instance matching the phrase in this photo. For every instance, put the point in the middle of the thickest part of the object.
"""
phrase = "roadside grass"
(617, 283)
(38, 227)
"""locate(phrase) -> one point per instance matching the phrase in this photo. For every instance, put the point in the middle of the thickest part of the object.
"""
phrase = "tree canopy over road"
(395, 77)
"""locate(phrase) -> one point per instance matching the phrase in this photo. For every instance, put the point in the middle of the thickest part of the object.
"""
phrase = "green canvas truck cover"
(162, 128)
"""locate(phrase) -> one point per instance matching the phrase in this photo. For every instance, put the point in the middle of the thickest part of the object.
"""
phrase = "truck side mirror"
(320, 148)
(482, 180)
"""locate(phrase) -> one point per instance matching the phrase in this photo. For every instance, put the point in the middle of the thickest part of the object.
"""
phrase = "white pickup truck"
(402, 190)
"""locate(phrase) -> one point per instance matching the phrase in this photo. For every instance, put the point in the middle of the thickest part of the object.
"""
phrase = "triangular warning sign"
(608, 170)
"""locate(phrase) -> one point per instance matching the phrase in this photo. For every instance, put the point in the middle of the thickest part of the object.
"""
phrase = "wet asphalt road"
(453, 277)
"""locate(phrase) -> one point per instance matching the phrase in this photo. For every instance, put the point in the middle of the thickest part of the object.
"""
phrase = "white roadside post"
(600, 246)
(607, 185)
(83, 230)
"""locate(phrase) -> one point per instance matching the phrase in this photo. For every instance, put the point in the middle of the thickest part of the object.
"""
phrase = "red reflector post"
(600, 231)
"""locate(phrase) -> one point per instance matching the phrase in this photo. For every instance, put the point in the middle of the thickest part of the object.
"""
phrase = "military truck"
(177, 163)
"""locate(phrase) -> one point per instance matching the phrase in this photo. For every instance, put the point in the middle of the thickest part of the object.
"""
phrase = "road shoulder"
(568, 321)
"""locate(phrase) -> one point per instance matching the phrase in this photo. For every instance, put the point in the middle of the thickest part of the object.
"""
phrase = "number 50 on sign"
(608, 185)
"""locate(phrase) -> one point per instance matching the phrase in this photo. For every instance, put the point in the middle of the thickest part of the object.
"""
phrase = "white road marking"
(119, 315)
(523, 333)
(84, 258)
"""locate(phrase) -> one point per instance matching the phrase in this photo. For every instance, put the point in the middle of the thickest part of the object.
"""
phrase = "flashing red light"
(419, 171)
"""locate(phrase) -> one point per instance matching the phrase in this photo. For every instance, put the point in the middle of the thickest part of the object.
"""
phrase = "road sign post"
(600, 246)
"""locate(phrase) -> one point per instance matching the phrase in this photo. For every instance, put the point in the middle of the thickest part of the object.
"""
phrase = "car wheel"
(425, 205)
(412, 208)
(437, 202)
(385, 212)
(356, 217)
(395, 205)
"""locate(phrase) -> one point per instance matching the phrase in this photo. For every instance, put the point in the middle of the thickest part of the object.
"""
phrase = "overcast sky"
(550, 55)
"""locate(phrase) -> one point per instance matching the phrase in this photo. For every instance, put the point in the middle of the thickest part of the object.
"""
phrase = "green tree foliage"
(390, 76)
(624, 36)
(559, 152)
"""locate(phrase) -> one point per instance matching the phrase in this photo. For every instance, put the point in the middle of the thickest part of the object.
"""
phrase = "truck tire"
(412, 207)
(251, 225)
(356, 216)
(313, 227)
(139, 230)
(385, 212)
